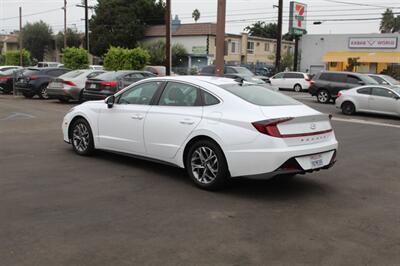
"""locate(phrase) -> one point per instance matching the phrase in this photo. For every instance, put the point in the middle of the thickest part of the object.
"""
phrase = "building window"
(233, 47)
(226, 48)
(266, 47)
(333, 64)
(250, 47)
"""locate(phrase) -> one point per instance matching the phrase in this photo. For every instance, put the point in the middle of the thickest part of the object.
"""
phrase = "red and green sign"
(297, 18)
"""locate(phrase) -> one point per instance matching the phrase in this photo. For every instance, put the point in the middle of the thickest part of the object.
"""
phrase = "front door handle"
(137, 117)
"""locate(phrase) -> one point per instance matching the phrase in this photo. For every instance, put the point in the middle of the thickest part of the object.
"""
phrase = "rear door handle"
(187, 122)
(137, 117)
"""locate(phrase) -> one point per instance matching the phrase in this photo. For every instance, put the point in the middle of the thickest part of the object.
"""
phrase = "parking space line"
(366, 122)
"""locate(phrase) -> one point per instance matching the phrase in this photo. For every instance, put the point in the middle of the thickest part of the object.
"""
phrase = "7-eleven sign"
(297, 18)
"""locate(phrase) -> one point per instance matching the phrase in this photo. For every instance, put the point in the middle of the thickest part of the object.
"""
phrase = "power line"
(354, 4)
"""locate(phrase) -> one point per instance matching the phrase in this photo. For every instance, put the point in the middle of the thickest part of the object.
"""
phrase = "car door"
(337, 82)
(121, 127)
(277, 80)
(362, 98)
(170, 122)
(383, 100)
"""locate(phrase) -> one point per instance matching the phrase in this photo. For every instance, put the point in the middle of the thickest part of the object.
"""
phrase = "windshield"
(73, 74)
(109, 76)
(369, 80)
(396, 89)
(391, 80)
(259, 95)
(243, 70)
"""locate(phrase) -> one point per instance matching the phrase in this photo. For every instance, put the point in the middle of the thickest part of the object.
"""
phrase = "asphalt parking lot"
(57, 208)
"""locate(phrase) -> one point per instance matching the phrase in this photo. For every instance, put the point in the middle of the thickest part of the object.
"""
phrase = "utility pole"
(168, 61)
(220, 39)
(87, 25)
(65, 23)
(296, 52)
(21, 63)
(279, 37)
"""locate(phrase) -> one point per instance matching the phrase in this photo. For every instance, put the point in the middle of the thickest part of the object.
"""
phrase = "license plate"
(93, 86)
(57, 85)
(316, 161)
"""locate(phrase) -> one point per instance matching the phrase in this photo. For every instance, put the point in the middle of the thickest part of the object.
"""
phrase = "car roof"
(343, 72)
(209, 79)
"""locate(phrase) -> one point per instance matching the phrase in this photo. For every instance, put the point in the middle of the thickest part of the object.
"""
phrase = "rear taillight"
(109, 83)
(270, 126)
(5, 78)
(339, 94)
(33, 77)
(69, 83)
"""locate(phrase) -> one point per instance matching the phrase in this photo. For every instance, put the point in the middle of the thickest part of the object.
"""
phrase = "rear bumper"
(96, 95)
(268, 162)
(64, 93)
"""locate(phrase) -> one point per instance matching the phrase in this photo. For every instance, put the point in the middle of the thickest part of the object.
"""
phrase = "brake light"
(270, 126)
(69, 83)
(109, 83)
(5, 78)
(33, 77)
(339, 94)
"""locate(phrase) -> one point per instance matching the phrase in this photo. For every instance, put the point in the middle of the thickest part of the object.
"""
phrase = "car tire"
(348, 108)
(206, 165)
(82, 137)
(297, 88)
(43, 92)
(323, 96)
(28, 95)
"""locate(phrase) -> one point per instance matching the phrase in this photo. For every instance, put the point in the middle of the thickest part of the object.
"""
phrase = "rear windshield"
(392, 80)
(8, 72)
(369, 80)
(243, 70)
(73, 74)
(109, 76)
(259, 95)
(29, 72)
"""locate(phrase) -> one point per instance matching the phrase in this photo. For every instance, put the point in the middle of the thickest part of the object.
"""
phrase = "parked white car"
(5, 68)
(70, 85)
(378, 99)
(385, 79)
(214, 127)
(296, 81)
(96, 67)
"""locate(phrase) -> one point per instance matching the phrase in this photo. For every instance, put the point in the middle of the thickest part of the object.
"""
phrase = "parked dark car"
(232, 72)
(109, 83)
(326, 85)
(34, 81)
(7, 80)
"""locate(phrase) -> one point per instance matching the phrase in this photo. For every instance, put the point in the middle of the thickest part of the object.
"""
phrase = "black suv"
(326, 85)
(34, 81)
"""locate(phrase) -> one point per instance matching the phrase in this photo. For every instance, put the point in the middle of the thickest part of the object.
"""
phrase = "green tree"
(12, 58)
(37, 38)
(196, 15)
(352, 63)
(262, 29)
(74, 39)
(118, 58)
(156, 50)
(123, 22)
(75, 58)
(387, 21)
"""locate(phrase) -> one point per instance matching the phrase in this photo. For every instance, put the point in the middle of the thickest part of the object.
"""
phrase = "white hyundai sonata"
(216, 128)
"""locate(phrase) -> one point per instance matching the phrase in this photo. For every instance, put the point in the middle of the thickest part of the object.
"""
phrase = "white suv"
(296, 81)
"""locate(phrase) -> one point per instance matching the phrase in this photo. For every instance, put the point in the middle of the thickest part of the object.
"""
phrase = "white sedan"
(214, 127)
(378, 99)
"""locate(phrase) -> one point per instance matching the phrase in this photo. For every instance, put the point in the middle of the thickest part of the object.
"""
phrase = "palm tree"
(196, 15)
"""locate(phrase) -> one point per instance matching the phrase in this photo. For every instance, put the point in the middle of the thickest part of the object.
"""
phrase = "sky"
(334, 14)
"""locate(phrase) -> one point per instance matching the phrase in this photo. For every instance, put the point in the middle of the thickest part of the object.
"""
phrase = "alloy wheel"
(81, 137)
(204, 165)
(297, 88)
(43, 93)
(323, 96)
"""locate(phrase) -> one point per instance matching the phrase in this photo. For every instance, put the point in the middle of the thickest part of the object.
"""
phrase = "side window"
(133, 76)
(229, 70)
(364, 91)
(324, 76)
(140, 94)
(353, 79)
(382, 92)
(209, 99)
(180, 94)
(278, 76)
(298, 76)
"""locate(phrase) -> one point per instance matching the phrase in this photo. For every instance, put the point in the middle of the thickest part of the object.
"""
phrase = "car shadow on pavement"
(270, 189)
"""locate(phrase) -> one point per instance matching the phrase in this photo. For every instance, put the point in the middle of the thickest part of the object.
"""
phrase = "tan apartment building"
(8, 42)
(199, 42)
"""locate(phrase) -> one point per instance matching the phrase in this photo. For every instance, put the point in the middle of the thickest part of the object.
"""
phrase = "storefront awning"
(363, 57)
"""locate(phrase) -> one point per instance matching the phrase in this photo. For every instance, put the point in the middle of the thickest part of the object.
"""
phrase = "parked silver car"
(378, 99)
(70, 85)
(385, 79)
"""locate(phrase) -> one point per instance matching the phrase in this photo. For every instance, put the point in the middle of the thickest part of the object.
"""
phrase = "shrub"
(2, 59)
(12, 58)
(75, 58)
(118, 58)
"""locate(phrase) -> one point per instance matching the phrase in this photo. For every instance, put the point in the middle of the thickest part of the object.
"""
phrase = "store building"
(374, 52)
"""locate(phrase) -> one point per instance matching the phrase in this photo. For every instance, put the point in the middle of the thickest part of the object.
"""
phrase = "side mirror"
(397, 97)
(110, 101)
